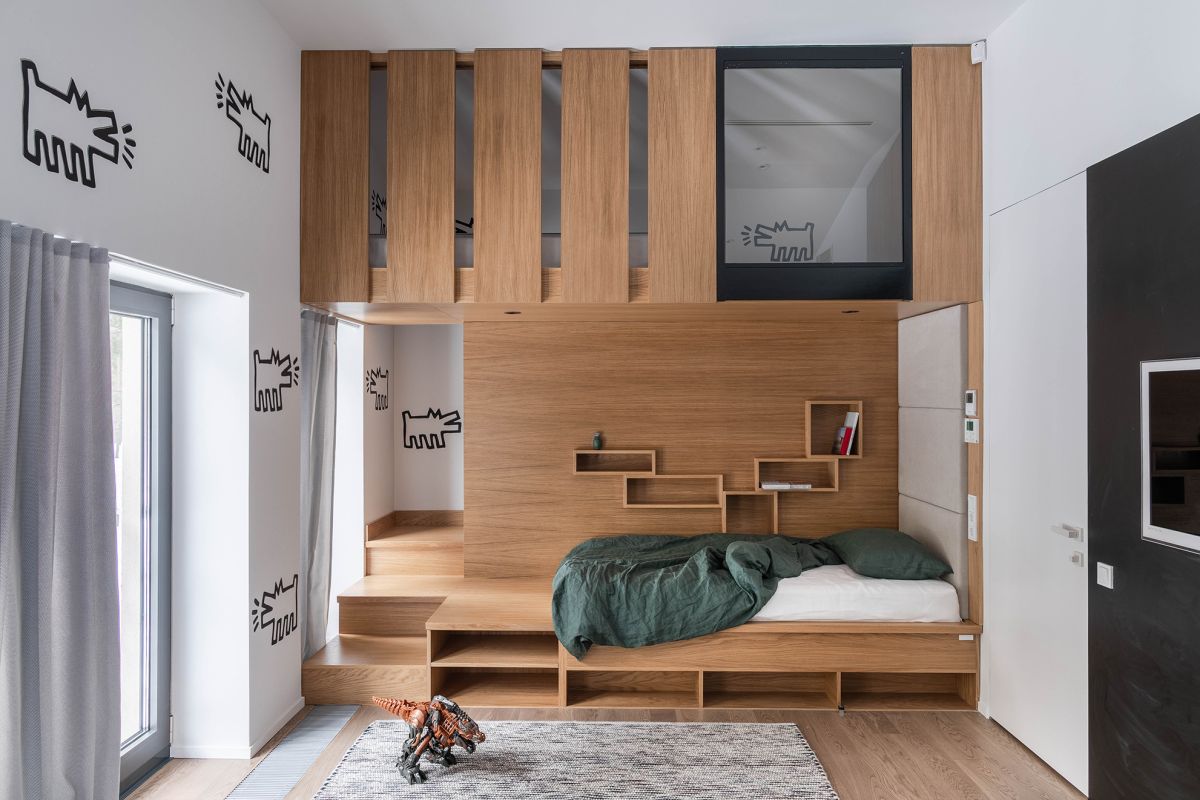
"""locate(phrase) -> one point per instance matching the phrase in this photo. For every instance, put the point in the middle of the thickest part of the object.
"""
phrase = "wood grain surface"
(420, 176)
(710, 396)
(595, 176)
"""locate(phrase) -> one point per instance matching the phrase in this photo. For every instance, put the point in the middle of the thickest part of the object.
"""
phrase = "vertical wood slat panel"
(508, 179)
(975, 463)
(947, 175)
(595, 176)
(421, 176)
(335, 109)
(682, 176)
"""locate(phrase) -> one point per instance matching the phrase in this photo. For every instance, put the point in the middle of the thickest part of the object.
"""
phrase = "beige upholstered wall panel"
(944, 532)
(932, 361)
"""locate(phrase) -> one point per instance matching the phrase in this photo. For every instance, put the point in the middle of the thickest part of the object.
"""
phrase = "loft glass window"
(813, 149)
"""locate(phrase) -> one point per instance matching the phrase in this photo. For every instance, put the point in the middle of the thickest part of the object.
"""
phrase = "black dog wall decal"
(379, 212)
(254, 129)
(272, 374)
(65, 134)
(270, 612)
(428, 431)
(377, 385)
(787, 243)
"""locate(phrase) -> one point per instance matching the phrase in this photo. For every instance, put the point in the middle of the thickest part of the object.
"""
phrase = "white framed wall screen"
(1170, 452)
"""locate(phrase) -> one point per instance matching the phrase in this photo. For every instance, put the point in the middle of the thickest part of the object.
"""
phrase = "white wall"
(379, 478)
(192, 204)
(428, 374)
(346, 562)
(1067, 83)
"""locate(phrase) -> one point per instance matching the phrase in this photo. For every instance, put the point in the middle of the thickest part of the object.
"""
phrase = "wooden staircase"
(413, 561)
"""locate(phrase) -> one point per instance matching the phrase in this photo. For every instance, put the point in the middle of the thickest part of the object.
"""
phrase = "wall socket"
(1104, 574)
(972, 518)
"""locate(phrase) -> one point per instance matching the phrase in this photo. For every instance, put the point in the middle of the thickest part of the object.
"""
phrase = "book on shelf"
(784, 486)
(844, 442)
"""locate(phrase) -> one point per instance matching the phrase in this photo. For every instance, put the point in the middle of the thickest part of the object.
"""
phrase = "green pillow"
(884, 553)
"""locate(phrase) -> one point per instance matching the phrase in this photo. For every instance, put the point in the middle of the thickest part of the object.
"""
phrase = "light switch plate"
(971, 431)
(969, 405)
(972, 518)
(1104, 574)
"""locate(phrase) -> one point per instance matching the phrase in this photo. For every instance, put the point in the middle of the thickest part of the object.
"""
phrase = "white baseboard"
(274, 727)
(217, 751)
(234, 751)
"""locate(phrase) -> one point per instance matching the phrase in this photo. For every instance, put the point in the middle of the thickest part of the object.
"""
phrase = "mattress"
(838, 593)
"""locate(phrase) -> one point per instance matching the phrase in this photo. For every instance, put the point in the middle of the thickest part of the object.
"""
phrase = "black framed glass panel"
(813, 173)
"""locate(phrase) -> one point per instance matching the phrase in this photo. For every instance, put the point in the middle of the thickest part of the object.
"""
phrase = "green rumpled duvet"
(638, 590)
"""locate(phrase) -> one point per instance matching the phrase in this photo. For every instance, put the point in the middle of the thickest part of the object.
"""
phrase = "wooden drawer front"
(816, 652)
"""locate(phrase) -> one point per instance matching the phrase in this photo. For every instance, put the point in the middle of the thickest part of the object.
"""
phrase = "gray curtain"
(318, 382)
(59, 656)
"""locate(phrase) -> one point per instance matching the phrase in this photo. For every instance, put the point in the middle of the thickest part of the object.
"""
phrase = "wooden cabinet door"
(335, 110)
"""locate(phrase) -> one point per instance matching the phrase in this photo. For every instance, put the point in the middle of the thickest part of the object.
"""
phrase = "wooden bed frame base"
(501, 651)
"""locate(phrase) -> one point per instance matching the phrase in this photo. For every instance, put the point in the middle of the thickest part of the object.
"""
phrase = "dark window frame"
(817, 281)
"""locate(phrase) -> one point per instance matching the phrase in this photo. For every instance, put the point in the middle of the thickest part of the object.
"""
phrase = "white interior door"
(1035, 631)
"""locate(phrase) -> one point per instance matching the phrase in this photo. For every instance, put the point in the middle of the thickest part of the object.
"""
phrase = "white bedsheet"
(838, 593)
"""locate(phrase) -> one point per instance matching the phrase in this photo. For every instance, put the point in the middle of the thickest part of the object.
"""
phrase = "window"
(140, 332)
(813, 173)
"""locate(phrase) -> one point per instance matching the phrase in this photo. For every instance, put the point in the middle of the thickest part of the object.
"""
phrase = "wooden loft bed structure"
(459, 602)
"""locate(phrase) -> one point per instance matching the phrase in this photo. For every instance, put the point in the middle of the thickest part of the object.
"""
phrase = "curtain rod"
(340, 318)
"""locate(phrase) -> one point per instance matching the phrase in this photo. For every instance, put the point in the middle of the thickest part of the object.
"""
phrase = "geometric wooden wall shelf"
(819, 471)
(673, 491)
(750, 512)
(614, 462)
(822, 418)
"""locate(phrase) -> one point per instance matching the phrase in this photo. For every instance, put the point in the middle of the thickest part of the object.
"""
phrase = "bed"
(837, 593)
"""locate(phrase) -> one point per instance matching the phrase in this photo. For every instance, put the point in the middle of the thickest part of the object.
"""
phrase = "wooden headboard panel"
(709, 395)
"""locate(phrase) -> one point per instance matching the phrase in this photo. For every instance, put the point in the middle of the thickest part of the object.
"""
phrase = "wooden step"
(396, 605)
(416, 550)
(353, 668)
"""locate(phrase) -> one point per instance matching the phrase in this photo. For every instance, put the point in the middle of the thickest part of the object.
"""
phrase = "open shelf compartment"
(493, 649)
(496, 688)
(673, 491)
(614, 462)
(597, 689)
(798, 690)
(820, 471)
(891, 691)
(822, 418)
(750, 512)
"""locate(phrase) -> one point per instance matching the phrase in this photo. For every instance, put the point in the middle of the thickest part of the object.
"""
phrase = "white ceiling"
(554, 24)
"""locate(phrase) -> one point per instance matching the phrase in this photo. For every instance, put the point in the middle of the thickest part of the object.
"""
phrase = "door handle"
(1071, 532)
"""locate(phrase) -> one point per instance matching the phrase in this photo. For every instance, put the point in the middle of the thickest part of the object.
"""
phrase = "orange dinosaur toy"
(434, 727)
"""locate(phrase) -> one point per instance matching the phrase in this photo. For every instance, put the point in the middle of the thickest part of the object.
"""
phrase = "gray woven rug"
(593, 761)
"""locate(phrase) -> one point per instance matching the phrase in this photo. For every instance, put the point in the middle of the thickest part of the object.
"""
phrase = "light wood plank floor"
(899, 755)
